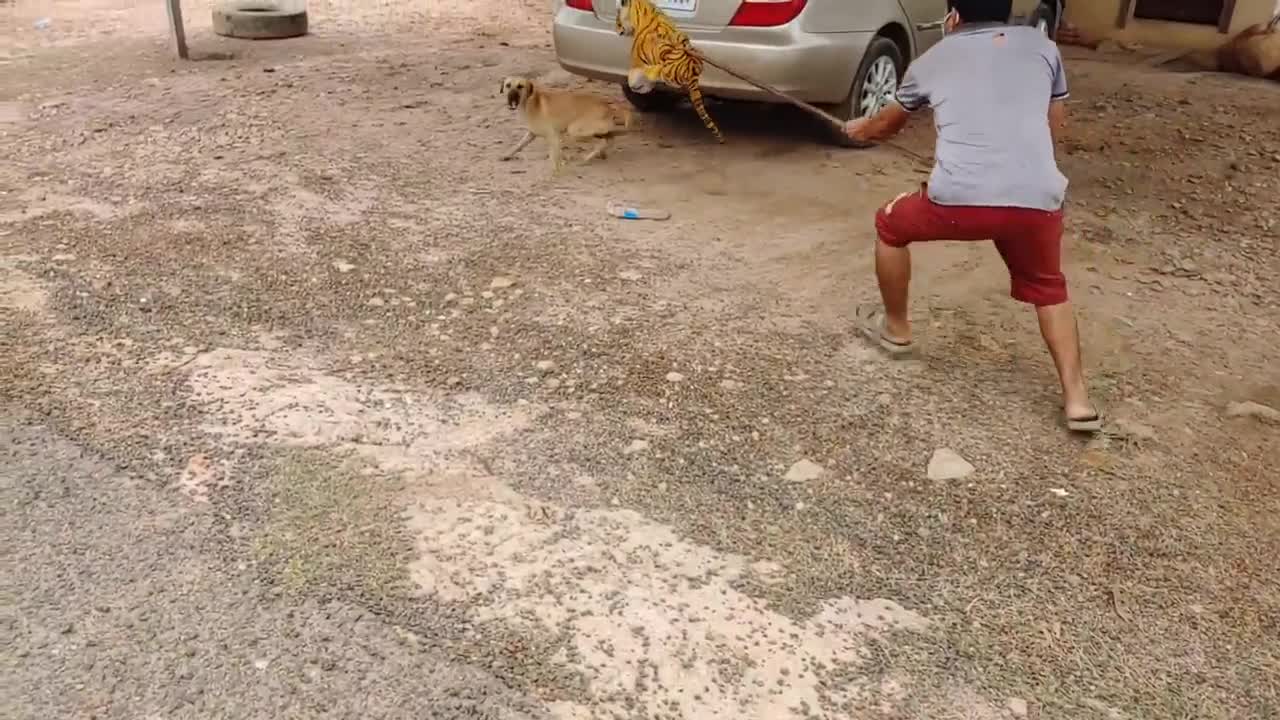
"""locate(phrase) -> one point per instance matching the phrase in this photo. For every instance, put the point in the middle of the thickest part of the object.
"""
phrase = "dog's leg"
(600, 150)
(528, 138)
(557, 160)
(593, 128)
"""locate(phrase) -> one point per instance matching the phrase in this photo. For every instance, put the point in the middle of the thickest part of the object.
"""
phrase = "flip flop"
(870, 322)
(1087, 424)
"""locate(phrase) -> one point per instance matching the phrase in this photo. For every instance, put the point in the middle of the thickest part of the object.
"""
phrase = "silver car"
(844, 55)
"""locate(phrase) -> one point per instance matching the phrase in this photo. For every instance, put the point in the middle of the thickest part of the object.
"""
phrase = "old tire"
(260, 19)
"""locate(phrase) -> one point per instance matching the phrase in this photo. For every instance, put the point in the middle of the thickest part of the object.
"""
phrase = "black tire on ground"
(654, 101)
(880, 47)
(260, 19)
(1044, 12)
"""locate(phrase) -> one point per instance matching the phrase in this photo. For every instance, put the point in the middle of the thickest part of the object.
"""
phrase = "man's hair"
(982, 10)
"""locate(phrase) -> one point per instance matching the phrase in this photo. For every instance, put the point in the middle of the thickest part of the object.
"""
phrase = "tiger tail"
(664, 53)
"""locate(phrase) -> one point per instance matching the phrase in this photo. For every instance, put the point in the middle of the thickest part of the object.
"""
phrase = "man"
(997, 95)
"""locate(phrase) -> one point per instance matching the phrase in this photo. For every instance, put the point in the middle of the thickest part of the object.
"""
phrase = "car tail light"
(580, 5)
(766, 13)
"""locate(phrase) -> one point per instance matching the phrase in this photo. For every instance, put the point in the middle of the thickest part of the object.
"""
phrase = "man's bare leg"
(1058, 327)
(893, 273)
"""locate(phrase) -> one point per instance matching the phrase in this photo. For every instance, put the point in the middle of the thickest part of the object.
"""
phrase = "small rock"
(1017, 707)
(501, 282)
(1253, 410)
(675, 377)
(1058, 491)
(730, 385)
(545, 365)
(947, 465)
(804, 470)
(635, 447)
(631, 275)
(343, 266)
(377, 302)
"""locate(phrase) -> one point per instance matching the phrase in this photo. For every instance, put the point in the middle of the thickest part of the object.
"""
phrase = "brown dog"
(554, 114)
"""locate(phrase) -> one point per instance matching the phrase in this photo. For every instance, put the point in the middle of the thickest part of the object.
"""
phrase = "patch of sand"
(651, 616)
(35, 202)
(654, 621)
(255, 396)
(201, 475)
(20, 290)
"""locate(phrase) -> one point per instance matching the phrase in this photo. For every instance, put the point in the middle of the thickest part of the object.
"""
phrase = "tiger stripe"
(664, 54)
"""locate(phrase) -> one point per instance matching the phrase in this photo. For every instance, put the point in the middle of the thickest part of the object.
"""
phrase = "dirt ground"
(312, 407)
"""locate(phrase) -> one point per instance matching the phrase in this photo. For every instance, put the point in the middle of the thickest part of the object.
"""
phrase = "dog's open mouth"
(513, 99)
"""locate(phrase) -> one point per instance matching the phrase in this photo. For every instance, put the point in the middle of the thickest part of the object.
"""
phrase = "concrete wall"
(1098, 18)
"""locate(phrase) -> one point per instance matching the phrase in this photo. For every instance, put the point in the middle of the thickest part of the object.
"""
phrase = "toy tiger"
(661, 53)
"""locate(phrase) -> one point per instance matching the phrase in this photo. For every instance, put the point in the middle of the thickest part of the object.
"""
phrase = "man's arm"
(1058, 95)
(909, 97)
(881, 126)
(1057, 120)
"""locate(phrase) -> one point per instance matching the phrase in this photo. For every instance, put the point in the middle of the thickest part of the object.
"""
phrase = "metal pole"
(179, 32)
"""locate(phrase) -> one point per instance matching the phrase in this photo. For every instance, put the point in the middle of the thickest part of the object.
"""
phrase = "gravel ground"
(353, 400)
(117, 606)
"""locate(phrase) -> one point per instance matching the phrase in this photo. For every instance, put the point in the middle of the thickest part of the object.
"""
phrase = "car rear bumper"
(816, 67)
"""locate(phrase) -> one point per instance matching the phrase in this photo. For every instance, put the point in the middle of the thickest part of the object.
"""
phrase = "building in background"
(1190, 24)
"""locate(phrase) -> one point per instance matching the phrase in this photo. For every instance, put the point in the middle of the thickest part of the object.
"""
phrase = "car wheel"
(654, 101)
(1042, 19)
(874, 85)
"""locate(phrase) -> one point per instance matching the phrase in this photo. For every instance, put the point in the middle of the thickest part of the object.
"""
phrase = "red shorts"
(1030, 241)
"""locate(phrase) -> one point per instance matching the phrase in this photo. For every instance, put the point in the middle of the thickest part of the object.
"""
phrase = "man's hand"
(881, 126)
(857, 129)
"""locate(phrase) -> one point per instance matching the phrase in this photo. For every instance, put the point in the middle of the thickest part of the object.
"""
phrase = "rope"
(836, 123)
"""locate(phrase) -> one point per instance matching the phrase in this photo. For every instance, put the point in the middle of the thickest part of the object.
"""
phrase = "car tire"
(654, 101)
(880, 49)
(1043, 20)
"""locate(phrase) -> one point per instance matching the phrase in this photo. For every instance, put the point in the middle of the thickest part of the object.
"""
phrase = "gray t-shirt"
(990, 86)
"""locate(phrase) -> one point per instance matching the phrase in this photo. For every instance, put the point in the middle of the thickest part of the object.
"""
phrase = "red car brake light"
(580, 5)
(767, 13)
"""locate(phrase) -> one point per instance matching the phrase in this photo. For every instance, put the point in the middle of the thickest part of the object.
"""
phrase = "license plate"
(677, 5)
